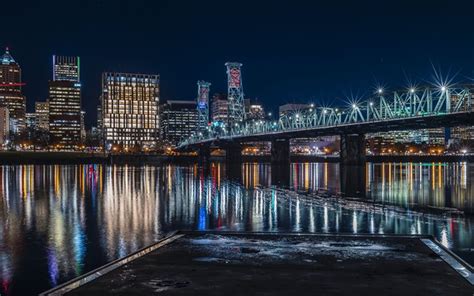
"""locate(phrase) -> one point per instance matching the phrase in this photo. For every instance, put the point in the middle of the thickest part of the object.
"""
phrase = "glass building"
(65, 114)
(179, 119)
(129, 105)
(65, 103)
(66, 68)
(10, 91)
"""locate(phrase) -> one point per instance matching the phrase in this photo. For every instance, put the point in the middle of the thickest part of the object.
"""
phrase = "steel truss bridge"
(419, 108)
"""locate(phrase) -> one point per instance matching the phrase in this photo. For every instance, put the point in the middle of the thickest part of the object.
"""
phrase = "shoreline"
(19, 158)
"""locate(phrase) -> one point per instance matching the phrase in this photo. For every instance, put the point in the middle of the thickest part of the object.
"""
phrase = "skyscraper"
(130, 109)
(65, 103)
(178, 120)
(66, 68)
(65, 114)
(10, 91)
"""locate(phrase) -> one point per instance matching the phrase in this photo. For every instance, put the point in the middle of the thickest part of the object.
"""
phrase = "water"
(60, 221)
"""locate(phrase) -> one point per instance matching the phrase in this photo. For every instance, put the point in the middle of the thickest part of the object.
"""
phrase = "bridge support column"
(280, 152)
(204, 154)
(280, 162)
(233, 161)
(233, 153)
(353, 180)
(352, 149)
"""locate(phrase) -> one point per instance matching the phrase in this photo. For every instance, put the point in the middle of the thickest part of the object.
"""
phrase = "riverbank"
(13, 157)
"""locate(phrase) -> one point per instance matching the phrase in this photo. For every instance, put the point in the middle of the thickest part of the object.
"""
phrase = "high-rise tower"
(10, 91)
(235, 95)
(130, 109)
(203, 105)
(65, 103)
(66, 68)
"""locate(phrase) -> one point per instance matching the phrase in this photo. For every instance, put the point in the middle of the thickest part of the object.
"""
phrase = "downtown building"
(64, 103)
(10, 92)
(42, 115)
(4, 126)
(129, 110)
(220, 108)
(178, 121)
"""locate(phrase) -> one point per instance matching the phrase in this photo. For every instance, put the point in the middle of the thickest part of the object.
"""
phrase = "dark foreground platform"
(265, 264)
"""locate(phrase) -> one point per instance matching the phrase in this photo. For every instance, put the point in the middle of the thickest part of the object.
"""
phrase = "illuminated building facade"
(4, 125)
(83, 126)
(220, 108)
(463, 134)
(130, 105)
(66, 68)
(42, 115)
(255, 112)
(65, 114)
(10, 91)
(30, 120)
(179, 119)
(291, 108)
(65, 103)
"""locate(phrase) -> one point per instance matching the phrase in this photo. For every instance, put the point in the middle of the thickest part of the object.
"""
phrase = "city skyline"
(307, 56)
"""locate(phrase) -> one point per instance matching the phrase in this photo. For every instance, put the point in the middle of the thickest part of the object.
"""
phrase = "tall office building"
(65, 103)
(220, 108)
(130, 104)
(42, 115)
(4, 125)
(66, 68)
(10, 91)
(65, 114)
(178, 120)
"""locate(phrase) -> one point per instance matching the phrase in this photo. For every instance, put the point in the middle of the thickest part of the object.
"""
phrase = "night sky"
(292, 51)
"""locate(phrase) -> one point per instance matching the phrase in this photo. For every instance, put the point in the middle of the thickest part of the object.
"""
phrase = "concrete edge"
(456, 263)
(344, 235)
(100, 271)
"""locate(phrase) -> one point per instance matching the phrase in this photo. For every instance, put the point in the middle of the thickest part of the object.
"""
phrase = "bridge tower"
(203, 105)
(235, 93)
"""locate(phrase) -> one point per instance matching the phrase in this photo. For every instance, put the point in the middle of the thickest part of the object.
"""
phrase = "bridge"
(415, 108)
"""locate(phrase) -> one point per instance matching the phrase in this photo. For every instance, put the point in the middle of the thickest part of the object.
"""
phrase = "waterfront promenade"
(196, 263)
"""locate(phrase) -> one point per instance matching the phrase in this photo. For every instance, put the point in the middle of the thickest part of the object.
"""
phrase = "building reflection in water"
(66, 220)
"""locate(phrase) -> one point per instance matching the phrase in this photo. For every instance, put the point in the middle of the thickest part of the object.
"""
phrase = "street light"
(443, 88)
(380, 90)
(412, 90)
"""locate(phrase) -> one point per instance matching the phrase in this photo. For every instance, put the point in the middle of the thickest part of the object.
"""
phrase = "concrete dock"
(193, 263)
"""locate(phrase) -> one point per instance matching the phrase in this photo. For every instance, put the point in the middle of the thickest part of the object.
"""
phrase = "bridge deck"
(408, 123)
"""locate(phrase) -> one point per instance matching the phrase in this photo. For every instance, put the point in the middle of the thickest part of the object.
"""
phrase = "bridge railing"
(411, 103)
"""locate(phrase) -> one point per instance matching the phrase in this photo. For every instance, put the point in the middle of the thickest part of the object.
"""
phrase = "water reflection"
(57, 222)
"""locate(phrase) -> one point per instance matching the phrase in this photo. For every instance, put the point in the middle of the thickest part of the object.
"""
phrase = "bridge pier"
(233, 160)
(204, 154)
(280, 152)
(233, 153)
(353, 180)
(352, 149)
